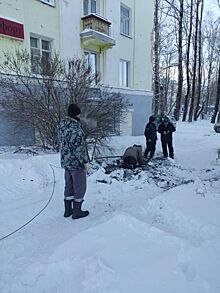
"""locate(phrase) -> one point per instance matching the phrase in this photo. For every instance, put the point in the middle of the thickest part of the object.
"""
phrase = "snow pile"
(133, 257)
(153, 230)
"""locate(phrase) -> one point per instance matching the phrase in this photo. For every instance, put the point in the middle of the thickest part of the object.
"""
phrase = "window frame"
(124, 82)
(40, 40)
(123, 20)
(97, 60)
(89, 8)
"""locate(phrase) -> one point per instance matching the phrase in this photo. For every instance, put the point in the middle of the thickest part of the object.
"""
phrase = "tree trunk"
(186, 101)
(211, 48)
(217, 98)
(191, 110)
(208, 85)
(199, 64)
(180, 63)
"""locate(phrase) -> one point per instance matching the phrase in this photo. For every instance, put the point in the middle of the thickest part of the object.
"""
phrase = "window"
(92, 59)
(40, 50)
(90, 6)
(125, 20)
(124, 73)
(50, 2)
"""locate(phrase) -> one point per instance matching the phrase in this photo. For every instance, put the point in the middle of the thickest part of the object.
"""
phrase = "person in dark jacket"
(132, 157)
(74, 160)
(166, 130)
(151, 137)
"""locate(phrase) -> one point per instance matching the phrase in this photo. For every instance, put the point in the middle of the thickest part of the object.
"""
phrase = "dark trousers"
(151, 147)
(75, 184)
(129, 163)
(168, 144)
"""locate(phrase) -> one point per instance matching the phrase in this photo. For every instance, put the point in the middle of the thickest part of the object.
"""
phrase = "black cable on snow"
(31, 220)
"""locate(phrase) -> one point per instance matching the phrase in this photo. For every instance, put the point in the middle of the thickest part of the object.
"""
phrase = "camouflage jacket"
(72, 144)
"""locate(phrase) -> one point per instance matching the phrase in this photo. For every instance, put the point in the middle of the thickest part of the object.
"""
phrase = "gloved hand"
(86, 167)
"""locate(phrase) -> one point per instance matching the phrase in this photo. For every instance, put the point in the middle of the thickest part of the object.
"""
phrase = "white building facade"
(115, 36)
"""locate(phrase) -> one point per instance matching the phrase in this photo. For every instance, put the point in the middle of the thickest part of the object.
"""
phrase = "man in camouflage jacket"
(74, 159)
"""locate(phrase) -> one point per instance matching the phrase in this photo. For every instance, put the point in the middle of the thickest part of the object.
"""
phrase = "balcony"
(96, 32)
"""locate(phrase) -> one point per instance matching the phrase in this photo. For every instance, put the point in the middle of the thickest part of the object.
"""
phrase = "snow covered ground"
(155, 230)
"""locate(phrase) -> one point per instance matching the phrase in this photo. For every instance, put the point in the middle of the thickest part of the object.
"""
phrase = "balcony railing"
(96, 31)
(96, 23)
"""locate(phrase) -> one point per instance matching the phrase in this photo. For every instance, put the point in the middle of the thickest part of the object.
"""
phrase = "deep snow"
(155, 231)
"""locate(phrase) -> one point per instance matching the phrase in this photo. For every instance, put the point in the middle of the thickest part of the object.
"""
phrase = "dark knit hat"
(73, 110)
(166, 119)
(151, 118)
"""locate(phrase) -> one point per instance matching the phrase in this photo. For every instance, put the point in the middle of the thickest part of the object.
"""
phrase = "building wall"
(11, 134)
(136, 48)
(38, 18)
(139, 110)
(70, 18)
(142, 110)
(142, 44)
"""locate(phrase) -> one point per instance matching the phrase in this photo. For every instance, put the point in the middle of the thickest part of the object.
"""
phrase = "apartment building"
(113, 36)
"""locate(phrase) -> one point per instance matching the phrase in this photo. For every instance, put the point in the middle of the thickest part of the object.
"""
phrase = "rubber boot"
(68, 208)
(77, 212)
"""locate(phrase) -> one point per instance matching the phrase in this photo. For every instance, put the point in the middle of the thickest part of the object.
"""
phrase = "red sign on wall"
(11, 29)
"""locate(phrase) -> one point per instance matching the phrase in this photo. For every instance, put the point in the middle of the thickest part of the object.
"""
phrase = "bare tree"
(195, 63)
(187, 96)
(168, 64)
(182, 44)
(212, 41)
(156, 41)
(41, 100)
(167, 50)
